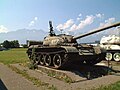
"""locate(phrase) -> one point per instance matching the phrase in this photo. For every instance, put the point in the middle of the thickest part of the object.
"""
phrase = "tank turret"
(54, 40)
(62, 39)
(58, 51)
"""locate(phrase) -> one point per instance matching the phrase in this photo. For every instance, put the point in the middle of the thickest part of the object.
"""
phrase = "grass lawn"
(19, 55)
(115, 86)
(11, 56)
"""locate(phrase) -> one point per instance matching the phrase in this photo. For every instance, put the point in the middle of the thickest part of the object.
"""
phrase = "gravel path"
(9, 80)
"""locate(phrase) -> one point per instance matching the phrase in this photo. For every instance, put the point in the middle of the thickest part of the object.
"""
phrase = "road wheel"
(29, 56)
(116, 57)
(37, 59)
(57, 61)
(108, 56)
(47, 60)
(41, 59)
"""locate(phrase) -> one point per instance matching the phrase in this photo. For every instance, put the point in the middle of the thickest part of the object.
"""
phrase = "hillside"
(22, 35)
(32, 34)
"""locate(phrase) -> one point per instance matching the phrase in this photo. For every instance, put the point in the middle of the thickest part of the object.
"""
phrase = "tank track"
(58, 58)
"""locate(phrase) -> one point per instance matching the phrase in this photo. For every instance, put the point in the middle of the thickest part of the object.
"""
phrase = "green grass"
(11, 56)
(64, 78)
(19, 55)
(52, 88)
(115, 86)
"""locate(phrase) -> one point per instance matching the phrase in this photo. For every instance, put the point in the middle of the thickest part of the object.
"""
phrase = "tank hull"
(62, 56)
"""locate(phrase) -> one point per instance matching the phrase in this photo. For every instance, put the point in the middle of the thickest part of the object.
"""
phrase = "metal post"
(109, 66)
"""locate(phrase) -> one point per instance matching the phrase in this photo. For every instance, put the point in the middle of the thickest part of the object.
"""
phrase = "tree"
(11, 44)
(24, 45)
(0, 45)
(6, 44)
(14, 44)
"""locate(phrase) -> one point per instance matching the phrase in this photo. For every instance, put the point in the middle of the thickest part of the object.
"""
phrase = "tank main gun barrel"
(97, 30)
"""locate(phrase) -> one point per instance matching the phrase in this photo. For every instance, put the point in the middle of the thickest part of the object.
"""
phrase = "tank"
(111, 44)
(59, 51)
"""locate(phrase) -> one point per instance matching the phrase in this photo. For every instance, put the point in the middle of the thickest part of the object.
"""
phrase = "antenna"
(51, 29)
(118, 30)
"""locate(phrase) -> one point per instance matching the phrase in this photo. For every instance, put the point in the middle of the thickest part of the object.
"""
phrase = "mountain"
(32, 34)
(22, 35)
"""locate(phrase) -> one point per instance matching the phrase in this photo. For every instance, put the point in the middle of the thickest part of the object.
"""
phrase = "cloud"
(87, 21)
(3, 29)
(78, 18)
(80, 15)
(32, 23)
(35, 18)
(110, 20)
(73, 25)
(100, 15)
(60, 26)
(107, 22)
(65, 25)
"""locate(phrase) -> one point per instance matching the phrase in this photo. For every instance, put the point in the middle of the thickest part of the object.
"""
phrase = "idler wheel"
(47, 60)
(42, 59)
(57, 61)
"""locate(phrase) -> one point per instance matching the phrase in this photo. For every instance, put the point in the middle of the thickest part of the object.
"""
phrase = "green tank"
(58, 51)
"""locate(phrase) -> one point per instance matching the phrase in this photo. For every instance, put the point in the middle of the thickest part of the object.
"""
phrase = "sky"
(66, 15)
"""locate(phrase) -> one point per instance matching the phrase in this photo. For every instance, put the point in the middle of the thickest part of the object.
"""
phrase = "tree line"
(10, 44)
